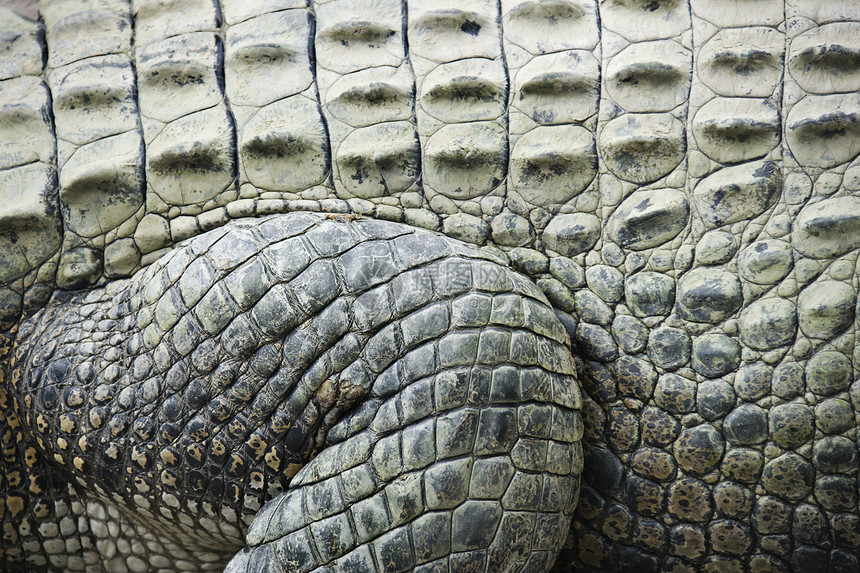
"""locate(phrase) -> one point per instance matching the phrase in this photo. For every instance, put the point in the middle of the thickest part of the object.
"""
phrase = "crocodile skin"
(660, 199)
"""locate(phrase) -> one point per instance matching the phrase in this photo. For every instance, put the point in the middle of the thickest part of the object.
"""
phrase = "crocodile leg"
(424, 394)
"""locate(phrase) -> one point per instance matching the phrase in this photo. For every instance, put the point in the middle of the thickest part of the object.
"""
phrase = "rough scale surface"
(659, 199)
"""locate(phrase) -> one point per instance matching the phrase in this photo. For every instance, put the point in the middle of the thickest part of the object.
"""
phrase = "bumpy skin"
(426, 392)
(678, 179)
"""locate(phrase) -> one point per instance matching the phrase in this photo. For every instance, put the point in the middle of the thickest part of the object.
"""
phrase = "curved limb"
(465, 454)
(394, 365)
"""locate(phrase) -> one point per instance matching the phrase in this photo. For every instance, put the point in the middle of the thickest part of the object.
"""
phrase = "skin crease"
(684, 226)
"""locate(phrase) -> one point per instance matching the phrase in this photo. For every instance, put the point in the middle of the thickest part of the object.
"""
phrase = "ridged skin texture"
(660, 200)
(426, 392)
